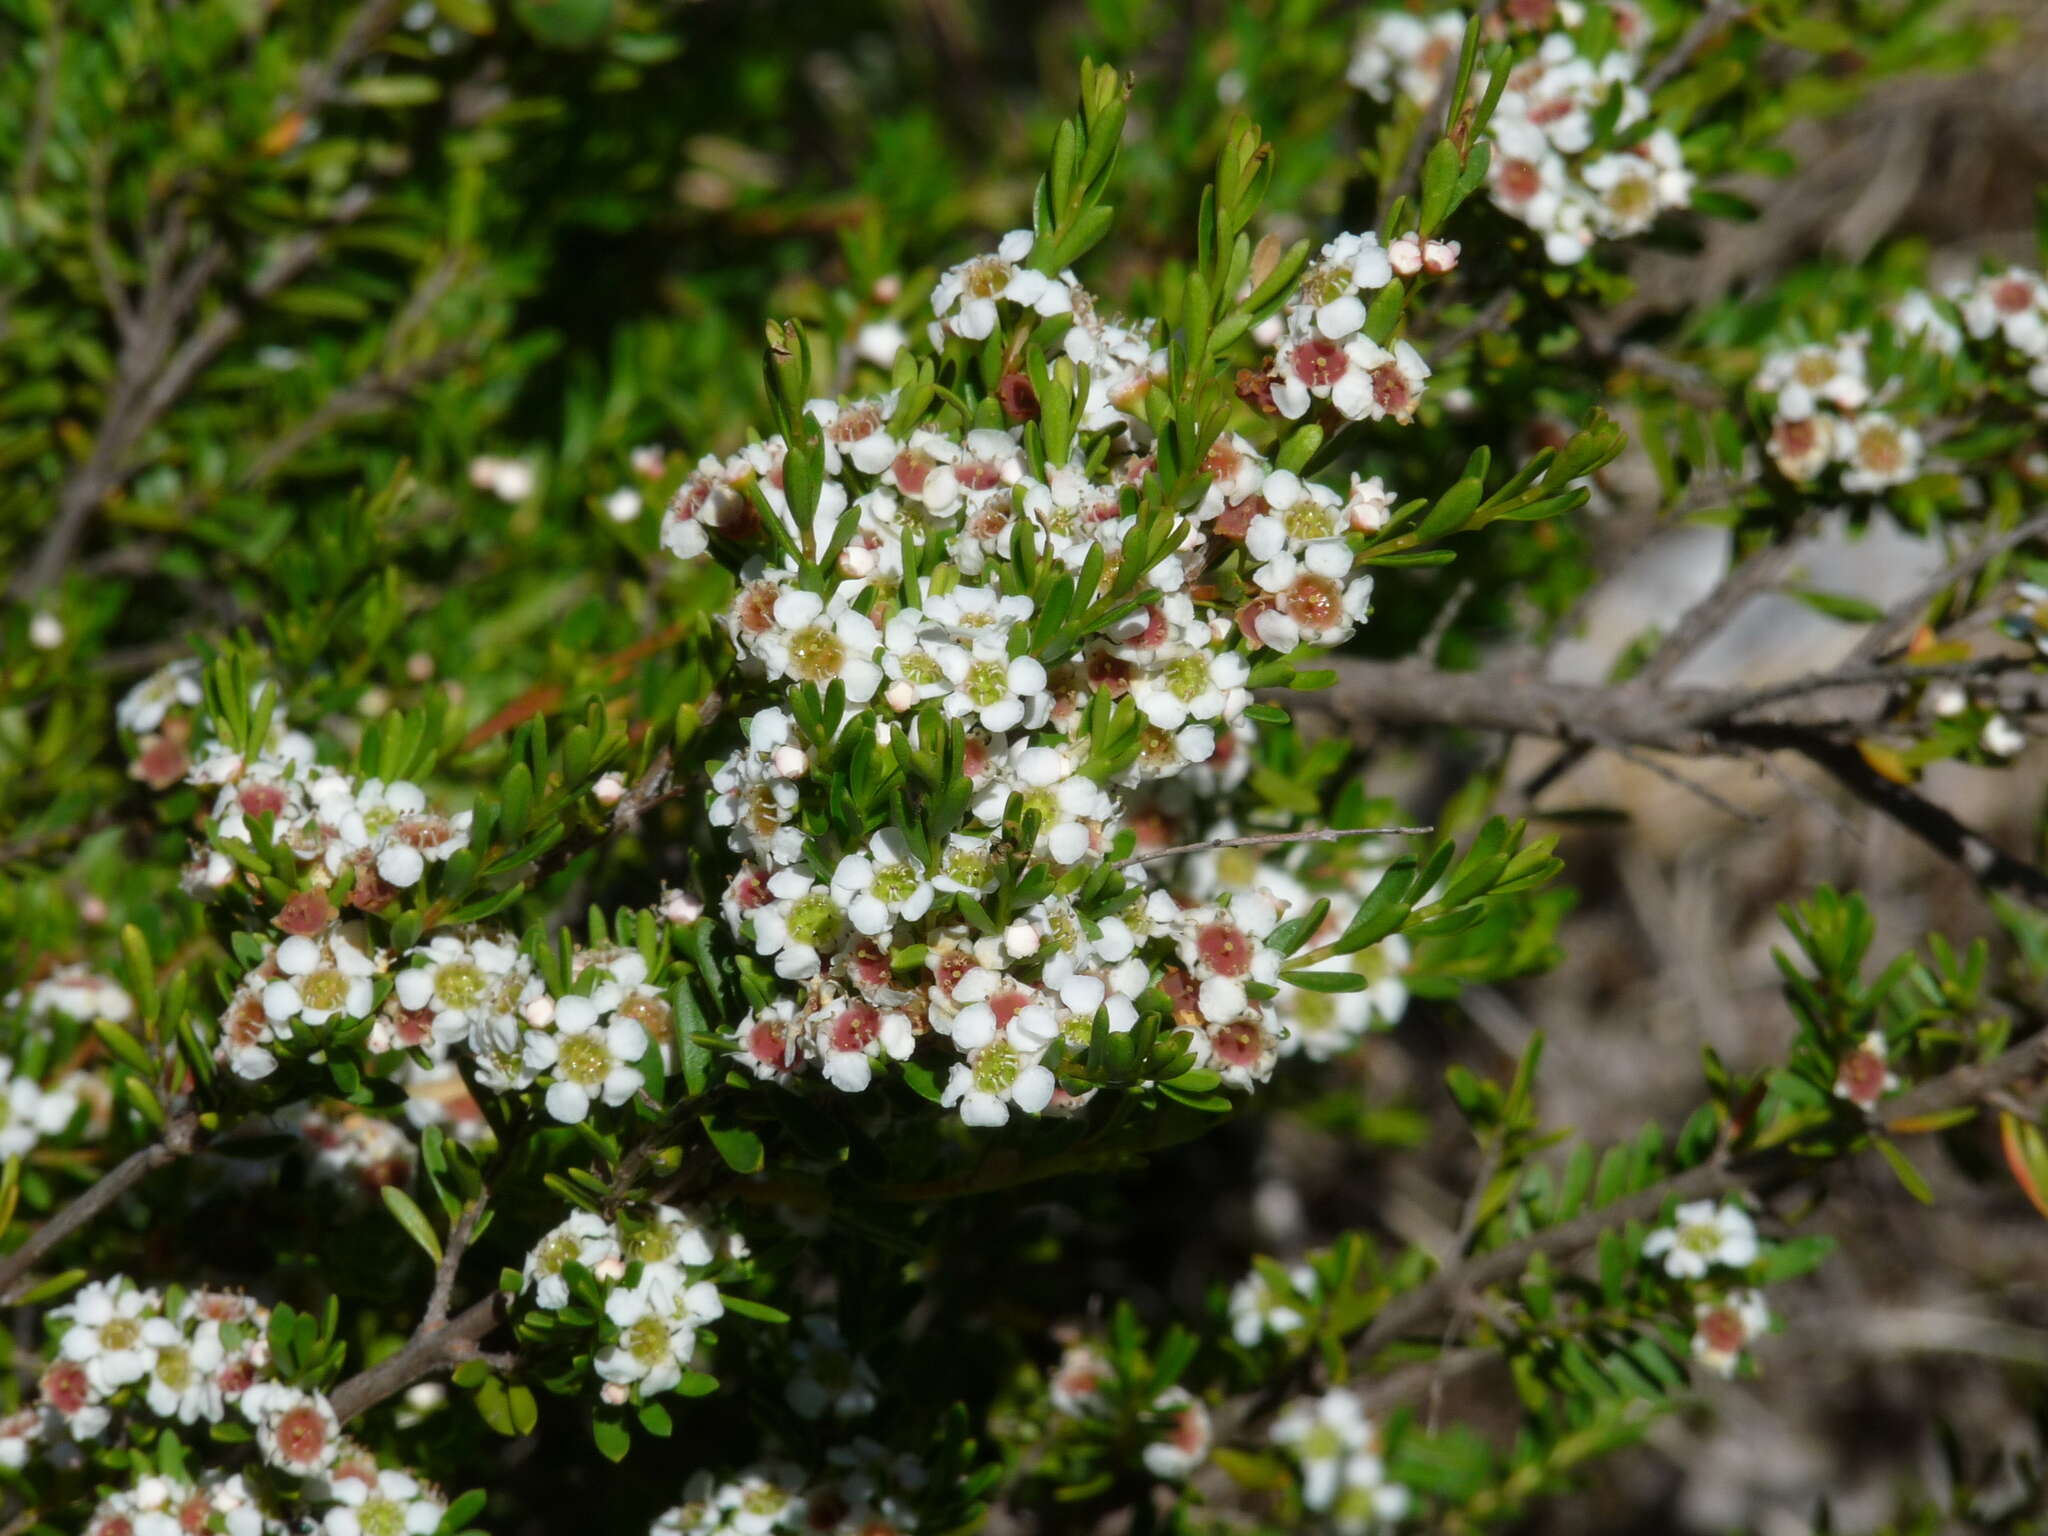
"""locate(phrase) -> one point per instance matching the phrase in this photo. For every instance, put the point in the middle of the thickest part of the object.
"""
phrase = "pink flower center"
(1239, 1044)
(1225, 949)
(1319, 362)
(856, 1028)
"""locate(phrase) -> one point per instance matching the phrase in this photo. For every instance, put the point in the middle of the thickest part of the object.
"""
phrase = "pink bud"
(901, 695)
(1441, 256)
(1405, 255)
(93, 910)
(1021, 940)
(609, 790)
(857, 561)
(611, 1268)
(616, 1393)
(682, 907)
(789, 762)
(540, 1011)
(887, 290)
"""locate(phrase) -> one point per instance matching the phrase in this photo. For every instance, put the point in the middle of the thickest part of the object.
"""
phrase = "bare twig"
(451, 1261)
(1270, 839)
(427, 1353)
(1691, 786)
(1716, 16)
(1905, 613)
(1445, 617)
(180, 1139)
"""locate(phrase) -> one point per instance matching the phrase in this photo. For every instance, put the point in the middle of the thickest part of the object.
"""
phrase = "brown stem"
(426, 1353)
(180, 1139)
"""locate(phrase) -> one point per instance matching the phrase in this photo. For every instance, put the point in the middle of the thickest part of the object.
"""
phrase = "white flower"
(29, 1112)
(1878, 452)
(657, 1333)
(296, 1431)
(1399, 52)
(811, 643)
(1203, 685)
(2001, 738)
(76, 992)
(623, 505)
(470, 987)
(879, 341)
(964, 299)
(183, 1383)
(799, 921)
(1184, 1445)
(1323, 1434)
(589, 1056)
(848, 1036)
(585, 1238)
(1321, 1025)
(321, 979)
(174, 685)
(999, 690)
(880, 886)
(1702, 1235)
(107, 1336)
(1259, 1310)
(1723, 1329)
(391, 1503)
(991, 1079)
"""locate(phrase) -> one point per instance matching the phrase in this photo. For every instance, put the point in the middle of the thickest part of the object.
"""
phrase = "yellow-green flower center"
(895, 883)
(987, 683)
(997, 1069)
(813, 920)
(584, 1059)
(460, 985)
(324, 991)
(816, 655)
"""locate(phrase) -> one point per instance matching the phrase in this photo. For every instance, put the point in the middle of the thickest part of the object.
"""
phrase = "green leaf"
(760, 1311)
(412, 1219)
(741, 1149)
(1908, 1176)
(613, 1438)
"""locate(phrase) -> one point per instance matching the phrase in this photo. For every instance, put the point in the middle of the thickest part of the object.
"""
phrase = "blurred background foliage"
(274, 278)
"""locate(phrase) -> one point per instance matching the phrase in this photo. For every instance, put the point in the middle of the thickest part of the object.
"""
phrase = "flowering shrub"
(527, 940)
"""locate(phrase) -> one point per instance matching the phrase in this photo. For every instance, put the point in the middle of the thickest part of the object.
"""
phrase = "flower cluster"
(1553, 167)
(164, 1504)
(649, 1276)
(1718, 1239)
(181, 1356)
(1828, 412)
(1175, 1424)
(1002, 625)
(348, 1494)
(1338, 1453)
(1325, 355)
(1821, 416)
(862, 1490)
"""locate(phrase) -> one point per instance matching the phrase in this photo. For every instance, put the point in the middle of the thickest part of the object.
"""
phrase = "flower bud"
(609, 790)
(1020, 940)
(789, 762)
(540, 1011)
